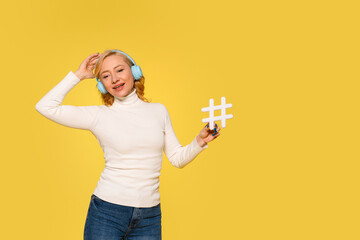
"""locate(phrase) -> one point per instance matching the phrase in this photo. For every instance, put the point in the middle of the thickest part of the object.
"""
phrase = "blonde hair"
(139, 84)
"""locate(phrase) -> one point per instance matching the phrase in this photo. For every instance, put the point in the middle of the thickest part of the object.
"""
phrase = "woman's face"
(116, 76)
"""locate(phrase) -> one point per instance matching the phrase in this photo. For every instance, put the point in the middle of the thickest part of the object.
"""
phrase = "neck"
(129, 100)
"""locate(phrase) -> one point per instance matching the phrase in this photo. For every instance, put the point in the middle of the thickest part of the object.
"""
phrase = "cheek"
(130, 77)
(130, 84)
(105, 83)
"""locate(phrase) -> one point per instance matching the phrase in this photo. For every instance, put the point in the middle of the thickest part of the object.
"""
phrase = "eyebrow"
(109, 71)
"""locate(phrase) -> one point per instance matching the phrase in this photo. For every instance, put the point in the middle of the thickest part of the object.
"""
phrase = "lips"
(121, 84)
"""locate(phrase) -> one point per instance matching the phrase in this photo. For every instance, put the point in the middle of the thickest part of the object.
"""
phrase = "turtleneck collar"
(129, 100)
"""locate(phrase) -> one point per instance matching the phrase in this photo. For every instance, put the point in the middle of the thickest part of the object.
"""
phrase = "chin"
(123, 93)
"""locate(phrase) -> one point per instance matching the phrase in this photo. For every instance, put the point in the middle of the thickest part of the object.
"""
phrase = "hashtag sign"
(211, 109)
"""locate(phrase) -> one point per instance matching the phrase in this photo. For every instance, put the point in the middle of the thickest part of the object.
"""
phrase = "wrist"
(200, 141)
(79, 76)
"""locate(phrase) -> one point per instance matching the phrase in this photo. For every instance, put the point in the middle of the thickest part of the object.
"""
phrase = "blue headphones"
(135, 70)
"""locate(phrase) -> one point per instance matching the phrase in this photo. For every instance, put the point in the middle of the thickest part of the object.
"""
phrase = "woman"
(133, 133)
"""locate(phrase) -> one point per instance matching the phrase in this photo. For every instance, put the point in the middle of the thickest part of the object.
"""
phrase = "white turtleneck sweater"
(132, 133)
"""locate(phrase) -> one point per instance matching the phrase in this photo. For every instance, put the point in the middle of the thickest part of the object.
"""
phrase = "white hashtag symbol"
(211, 119)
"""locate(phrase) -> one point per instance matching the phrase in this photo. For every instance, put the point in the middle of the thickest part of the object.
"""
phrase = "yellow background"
(285, 167)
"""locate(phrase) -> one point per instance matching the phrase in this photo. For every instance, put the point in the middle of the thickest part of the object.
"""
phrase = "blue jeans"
(109, 221)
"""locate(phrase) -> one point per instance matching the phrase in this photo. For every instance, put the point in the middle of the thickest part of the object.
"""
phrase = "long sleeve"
(178, 155)
(81, 117)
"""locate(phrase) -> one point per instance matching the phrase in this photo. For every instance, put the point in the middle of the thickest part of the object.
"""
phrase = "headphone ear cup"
(101, 87)
(136, 72)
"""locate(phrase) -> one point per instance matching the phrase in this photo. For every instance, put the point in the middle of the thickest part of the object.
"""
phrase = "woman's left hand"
(206, 135)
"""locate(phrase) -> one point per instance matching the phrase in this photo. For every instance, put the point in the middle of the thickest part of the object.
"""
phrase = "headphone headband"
(119, 52)
(125, 55)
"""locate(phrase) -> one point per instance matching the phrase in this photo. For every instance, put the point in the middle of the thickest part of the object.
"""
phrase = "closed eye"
(108, 75)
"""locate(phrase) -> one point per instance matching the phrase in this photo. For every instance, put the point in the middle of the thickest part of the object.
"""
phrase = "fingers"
(91, 61)
(214, 131)
(92, 57)
(218, 133)
(207, 125)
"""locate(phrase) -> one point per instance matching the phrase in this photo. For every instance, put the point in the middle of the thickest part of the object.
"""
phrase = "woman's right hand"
(87, 66)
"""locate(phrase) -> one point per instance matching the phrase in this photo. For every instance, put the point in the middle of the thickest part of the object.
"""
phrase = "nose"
(116, 78)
